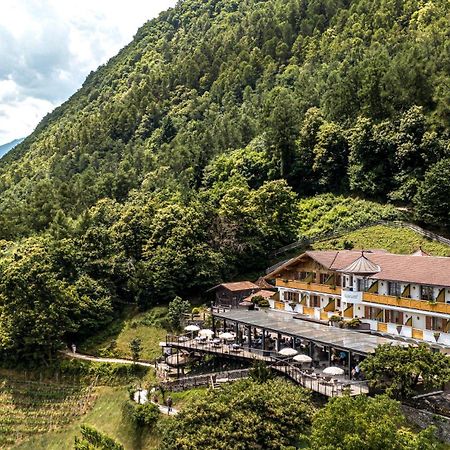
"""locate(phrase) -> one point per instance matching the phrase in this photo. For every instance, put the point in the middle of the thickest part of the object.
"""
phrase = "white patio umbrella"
(191, 328)
(227, 336)
(333, 371)
(206, 332)
(288, 351)
(302, 358)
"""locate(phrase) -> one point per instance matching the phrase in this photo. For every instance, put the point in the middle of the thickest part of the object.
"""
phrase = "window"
(303, 275)
(292, 296)
(375, 314)
(426, 293)
(394, 288)
(314, 301)
(435, 323)
(364, 284)
(324, 277)
(396, 317)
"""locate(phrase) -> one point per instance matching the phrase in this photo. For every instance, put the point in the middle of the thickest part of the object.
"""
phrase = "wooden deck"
(315, 381)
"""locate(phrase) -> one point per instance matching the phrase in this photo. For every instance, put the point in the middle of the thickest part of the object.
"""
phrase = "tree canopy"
(243, 415)
(350, 423)
(400, 370)
(180, 162)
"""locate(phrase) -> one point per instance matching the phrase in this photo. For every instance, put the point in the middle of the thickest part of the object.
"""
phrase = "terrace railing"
(328, 386)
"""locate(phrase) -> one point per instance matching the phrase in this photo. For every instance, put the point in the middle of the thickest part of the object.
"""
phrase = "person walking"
(169, 405)
(74, 348)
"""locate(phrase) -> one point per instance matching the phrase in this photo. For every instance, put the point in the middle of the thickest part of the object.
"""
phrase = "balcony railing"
(313, 287)
(402, 302)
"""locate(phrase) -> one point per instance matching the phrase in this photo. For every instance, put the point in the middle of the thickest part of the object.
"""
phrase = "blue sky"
(48, 47)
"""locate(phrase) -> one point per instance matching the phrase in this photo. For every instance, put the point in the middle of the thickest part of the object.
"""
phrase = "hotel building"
(407, 296)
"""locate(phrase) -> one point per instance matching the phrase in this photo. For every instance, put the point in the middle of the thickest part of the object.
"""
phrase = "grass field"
(114, 340)
(106, 416)
(32, 408)
(392, 239)
(330, 213)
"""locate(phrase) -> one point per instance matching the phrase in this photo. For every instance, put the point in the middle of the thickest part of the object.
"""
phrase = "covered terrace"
(271, 330)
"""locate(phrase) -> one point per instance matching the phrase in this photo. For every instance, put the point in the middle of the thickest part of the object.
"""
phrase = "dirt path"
(70, 354)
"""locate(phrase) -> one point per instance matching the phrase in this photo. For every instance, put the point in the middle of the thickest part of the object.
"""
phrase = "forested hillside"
(181, 161)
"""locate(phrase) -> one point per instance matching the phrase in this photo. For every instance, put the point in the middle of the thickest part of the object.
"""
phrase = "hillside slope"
(181, 161)
(358, 89)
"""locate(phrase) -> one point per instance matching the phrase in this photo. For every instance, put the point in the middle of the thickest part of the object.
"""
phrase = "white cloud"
(48, 47)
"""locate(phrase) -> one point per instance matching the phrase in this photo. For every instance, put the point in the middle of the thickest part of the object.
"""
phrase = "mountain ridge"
(182, 161)
(5, 148)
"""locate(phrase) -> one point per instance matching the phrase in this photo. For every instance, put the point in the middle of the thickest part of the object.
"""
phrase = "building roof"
(263, 284)
(362, 266)
(262, 293)
(236, 286)
(432, 270)
(362, 343)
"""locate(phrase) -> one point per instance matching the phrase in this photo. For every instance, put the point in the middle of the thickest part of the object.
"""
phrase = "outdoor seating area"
(330, 381)
(321, 358)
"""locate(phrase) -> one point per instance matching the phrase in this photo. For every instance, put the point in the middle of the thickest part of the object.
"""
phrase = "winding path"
(70, 354)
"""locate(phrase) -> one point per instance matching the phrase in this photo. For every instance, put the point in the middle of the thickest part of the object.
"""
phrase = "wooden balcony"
(313, 287)
(401, 302)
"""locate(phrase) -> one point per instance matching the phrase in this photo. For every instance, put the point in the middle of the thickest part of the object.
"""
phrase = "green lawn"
(115, 339)
(392, 239)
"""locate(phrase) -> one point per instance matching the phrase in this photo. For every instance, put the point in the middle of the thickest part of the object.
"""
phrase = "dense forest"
(182, 161)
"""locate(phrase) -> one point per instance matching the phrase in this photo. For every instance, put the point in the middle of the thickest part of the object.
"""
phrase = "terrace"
(310, 378)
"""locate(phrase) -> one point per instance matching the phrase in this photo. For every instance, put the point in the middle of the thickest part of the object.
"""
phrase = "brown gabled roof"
(262, 293)
(263, 284)
(432, 270)
(236, 286)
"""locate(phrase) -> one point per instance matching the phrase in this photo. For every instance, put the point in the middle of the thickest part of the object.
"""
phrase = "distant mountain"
(5, 148)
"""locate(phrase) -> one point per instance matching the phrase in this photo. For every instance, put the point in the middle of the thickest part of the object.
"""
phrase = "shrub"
(257, 299)
(336, 319)
(353, 323)
(264, 303)
(91, 438)
(146, 415)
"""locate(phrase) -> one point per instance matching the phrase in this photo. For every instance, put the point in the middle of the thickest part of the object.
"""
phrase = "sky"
(48, 47)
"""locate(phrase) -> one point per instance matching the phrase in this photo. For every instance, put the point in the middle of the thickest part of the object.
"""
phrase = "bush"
(336, 319)
(91, 438)
(196, 311)
(264, 303)
(257, 299)
(353, 323)
(146, 415)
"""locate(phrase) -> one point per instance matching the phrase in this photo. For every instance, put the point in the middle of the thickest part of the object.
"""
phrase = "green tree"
(350, 423)
(177, 307)
(259, 372)
(244, 415)
(401, 369)
(432, 202)
(135, 349)
(330, 157)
